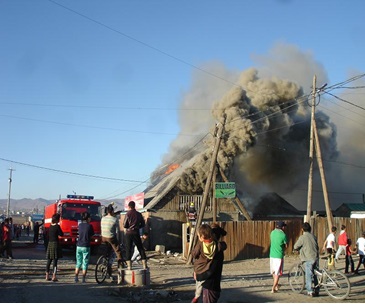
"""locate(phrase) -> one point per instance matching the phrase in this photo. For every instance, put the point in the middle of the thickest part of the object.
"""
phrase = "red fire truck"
(70, 210)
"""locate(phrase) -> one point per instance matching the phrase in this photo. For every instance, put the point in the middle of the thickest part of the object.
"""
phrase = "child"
(202, 260)
(360, 245)
(208, 262)
(349, 260)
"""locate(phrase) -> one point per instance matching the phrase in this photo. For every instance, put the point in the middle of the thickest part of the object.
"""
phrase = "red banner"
(137, 198)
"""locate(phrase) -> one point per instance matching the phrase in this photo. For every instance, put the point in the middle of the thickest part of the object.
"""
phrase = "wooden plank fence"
(251, 239)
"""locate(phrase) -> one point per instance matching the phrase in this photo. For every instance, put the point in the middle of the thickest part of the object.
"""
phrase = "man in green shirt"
(278, 244)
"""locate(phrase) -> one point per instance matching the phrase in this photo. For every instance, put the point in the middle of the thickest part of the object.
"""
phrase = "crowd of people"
(207, 255)
(307, 246)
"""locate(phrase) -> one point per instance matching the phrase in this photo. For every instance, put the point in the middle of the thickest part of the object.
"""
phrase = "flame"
(172, 168)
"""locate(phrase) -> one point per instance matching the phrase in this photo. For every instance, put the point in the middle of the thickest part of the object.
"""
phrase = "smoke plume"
(265, 143)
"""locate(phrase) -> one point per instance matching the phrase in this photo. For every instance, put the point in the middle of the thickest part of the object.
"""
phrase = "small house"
(351, 211)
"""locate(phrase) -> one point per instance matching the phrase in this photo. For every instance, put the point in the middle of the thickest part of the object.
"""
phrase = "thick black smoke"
(265, 144)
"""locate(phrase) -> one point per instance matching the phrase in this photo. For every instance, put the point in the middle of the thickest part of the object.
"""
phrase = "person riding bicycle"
(307, 245)
(110, 232)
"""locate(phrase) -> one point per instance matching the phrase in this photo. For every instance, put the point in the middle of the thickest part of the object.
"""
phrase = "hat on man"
(280, 225)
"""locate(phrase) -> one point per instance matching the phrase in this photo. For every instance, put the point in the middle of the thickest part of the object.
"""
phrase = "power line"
(344, 100)
(143, 43)
(72, 173)
(94, 127)
(343, 163)
(102, 107)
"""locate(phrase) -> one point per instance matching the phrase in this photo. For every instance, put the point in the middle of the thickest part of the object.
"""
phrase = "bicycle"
(104, 264)
(335, 283)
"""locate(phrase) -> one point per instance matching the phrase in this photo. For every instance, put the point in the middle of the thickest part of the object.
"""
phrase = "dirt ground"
(22, 280)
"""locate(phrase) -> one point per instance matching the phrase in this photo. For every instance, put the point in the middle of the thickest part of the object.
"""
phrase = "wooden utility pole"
(314, 140)
(193, 238)
(310, 178)
(8, 204)
(323, 178)
(214, 200)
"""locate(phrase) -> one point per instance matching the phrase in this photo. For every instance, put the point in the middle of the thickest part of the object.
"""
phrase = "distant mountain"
(25, 205)
(37, 205)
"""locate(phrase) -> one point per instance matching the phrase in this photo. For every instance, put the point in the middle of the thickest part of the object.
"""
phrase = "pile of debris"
(165, 258)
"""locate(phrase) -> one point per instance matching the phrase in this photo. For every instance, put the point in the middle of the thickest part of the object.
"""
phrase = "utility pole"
(310, 178)
(314, 140)
(193, 238)
(214, 200)
(10, 180)
(323, 178)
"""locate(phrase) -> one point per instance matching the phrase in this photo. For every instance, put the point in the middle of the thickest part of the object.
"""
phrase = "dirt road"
(22, 280)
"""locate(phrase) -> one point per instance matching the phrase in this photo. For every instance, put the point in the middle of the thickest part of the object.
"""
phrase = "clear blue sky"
(94, 87)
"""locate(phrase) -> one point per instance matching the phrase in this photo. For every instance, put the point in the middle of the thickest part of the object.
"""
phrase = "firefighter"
(192, 212)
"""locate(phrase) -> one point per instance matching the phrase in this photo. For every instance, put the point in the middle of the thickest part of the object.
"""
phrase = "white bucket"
(137, 277)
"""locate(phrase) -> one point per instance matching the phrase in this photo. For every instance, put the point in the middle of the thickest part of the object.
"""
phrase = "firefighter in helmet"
(192, 212)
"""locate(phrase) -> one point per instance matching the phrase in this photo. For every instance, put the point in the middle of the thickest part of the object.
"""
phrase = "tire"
(101, 269)
(337, 285)
(296, 278)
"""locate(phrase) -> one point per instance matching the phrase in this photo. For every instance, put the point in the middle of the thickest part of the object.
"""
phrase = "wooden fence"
(251, 239)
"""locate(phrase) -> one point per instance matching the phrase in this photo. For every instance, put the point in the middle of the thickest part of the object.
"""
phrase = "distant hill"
(37, 205)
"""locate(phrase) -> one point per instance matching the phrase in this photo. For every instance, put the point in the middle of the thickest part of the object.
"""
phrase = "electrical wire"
(71, 173)
(344, 100)
(94, 127)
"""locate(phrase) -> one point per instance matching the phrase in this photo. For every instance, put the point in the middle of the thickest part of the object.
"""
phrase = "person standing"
(136, 255)
(349, 260)
(1, 239)
(360, 245)
(307, 245)
(86, 231)
(342, 242)
(134, 221)
(54, 249)
(278, 244)
(27, 228)
(36, 233)
(12, 228)
(7, 239)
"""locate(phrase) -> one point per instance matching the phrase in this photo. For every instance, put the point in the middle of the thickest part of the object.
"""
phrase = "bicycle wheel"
(336, 284)
(296, 278)
(101, 269)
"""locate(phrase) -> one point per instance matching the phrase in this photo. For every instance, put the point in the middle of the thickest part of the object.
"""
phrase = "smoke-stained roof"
(165, 184)
(273, 205)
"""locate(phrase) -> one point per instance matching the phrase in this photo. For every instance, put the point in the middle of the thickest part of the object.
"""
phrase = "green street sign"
(225, 190)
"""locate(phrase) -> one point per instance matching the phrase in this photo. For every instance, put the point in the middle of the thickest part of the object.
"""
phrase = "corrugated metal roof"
(355, 207)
